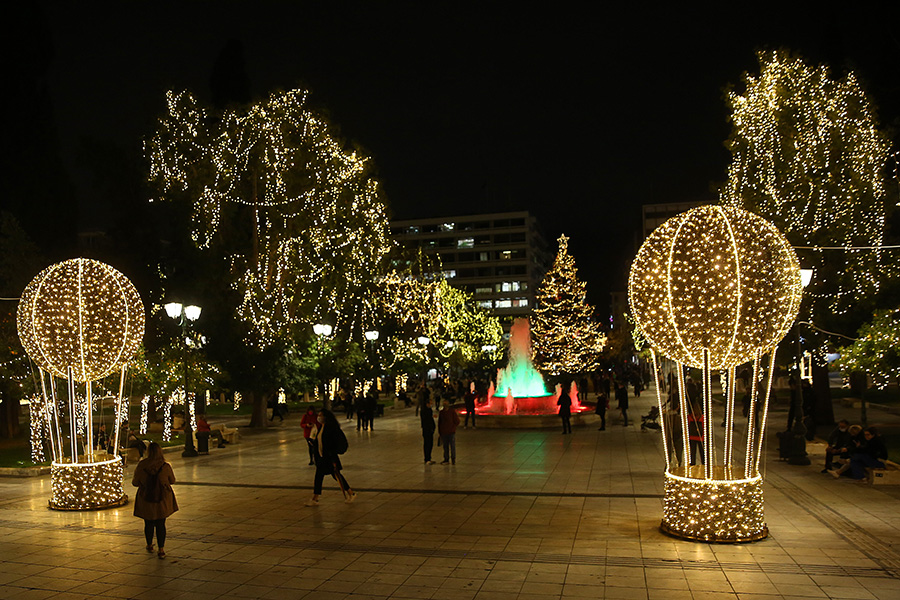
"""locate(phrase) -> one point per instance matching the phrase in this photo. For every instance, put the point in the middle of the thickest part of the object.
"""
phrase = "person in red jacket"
(309, 421)
(695, 433)
(448, 421)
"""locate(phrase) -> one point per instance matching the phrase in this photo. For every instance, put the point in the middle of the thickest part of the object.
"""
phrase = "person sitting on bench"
(202, 426)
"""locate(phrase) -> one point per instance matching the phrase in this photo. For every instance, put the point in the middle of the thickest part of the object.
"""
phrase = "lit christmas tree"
(566, 340)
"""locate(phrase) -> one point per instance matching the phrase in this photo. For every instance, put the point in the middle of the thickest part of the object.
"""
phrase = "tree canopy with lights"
(302, 217)
(807, 155)
(876, 352)
(566, 338)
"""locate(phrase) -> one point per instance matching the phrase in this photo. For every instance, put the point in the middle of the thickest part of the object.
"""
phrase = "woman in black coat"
(329, 444)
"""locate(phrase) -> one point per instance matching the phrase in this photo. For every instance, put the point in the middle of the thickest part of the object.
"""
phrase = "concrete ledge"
(24, 471)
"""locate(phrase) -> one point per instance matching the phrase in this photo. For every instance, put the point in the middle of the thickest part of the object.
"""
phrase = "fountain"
(521, 398)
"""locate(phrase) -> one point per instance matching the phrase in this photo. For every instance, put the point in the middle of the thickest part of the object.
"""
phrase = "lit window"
(482, 290)
(448, 226)
(450, 274)
(509, 286)
(465, 243)
(413, 229)
(485, 304)
(506, 255)
(520, 302)
(484, 256)
(504, 303)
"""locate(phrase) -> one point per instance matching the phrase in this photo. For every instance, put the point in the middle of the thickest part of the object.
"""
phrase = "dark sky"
(580, 116)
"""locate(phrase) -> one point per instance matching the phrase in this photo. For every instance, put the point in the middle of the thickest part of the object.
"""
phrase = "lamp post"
(372, 337)
(424, 340)
(806, 276)
(183, 314)
(322, 331)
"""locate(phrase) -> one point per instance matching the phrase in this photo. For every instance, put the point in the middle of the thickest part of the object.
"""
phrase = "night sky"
(580, 116)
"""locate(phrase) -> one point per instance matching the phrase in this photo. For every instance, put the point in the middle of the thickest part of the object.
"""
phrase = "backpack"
(340, 442)
(155, 489)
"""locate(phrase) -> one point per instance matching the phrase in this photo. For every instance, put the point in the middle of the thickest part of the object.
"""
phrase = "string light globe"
(714, 288)
(715, 279)
(83, 314)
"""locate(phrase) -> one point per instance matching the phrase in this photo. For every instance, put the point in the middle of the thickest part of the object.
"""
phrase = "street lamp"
(322, 331)
(424, 340)
(372, 336)
(183, 314)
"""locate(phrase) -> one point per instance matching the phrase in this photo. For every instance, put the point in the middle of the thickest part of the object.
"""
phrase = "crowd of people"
(852, 449)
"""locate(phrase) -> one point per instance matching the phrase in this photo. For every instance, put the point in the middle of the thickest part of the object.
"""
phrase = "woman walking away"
(330, 442)
(155, 499)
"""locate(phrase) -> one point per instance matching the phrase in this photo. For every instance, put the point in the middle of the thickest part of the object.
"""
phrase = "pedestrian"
(870, 455)
(155, 499)
(602, 406)
(371, 402)
(330, 444)
(427, 420)
(309, 422)
(622, 398)
(695, 434)
(565, 411)
(362, 419)
(349, 405)
(448, 421)
(469, 400)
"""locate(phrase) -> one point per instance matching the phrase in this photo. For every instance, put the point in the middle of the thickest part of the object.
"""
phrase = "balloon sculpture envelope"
(714, 288)
(80, 320)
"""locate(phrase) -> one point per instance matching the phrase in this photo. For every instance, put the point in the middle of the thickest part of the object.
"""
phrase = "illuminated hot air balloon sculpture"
(714, 288)
(80, 320)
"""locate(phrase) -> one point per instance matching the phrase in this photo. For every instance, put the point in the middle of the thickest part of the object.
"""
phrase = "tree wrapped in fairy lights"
(807, 155)
(302, 217)
(566, 339)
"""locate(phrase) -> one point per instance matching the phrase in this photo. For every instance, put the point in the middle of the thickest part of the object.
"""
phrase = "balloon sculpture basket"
(718, 510)
(87, 485)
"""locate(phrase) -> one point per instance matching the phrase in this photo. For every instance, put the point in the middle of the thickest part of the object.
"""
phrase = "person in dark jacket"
(602, 406)
(155, 500)
(565, 411)
(469, 400)
(371, 407)
(869, 456)
(838, 443)
(328, 461)
(427, 419)
(362, 418)
(622, 398)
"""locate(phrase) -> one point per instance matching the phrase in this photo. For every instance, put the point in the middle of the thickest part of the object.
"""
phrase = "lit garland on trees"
(320, 230)
(565, 337)
(807, 155)
(237, 401)
(877, 350)
(445, 314)
(145, 408)
(713, 288)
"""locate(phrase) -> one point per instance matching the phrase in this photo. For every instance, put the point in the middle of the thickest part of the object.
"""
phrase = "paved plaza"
(522, 515)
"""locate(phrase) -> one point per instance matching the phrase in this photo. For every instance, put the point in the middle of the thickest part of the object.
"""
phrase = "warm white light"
(192, 312)
(806, 276)
(449, 344)
(320, 329)
(173, 309)
(371, 335)
(424, 340)
(489, 348)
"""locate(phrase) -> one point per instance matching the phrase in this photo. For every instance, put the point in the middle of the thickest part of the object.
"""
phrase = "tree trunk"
(259, 417)
(824, 407)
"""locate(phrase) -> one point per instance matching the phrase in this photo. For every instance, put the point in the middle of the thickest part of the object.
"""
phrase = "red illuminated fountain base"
(530, 412)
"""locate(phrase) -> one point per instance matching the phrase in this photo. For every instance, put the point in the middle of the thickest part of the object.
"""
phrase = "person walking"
(602, 406)
(565, 411)
(362, 419)
(469, 400)
(427, 419)
(448, 421)
(371, 402)
(309, 422)
(155, 499)
(329, 445)
(622, 398)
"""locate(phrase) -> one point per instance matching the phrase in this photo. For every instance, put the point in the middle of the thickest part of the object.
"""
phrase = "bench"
(889, 475)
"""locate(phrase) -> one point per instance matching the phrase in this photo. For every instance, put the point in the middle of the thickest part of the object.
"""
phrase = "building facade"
(499, 258)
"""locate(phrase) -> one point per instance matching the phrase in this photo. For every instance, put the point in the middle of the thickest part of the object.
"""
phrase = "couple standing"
(447, 423)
